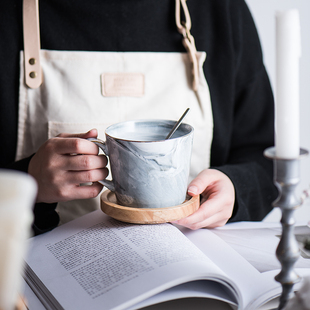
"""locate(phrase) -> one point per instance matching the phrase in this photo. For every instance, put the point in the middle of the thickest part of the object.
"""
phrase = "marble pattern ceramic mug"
(147, 170)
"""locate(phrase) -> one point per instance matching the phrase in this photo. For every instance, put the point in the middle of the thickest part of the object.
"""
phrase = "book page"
(96, 260)
(258, 245)
(201, 290)
(252, 263)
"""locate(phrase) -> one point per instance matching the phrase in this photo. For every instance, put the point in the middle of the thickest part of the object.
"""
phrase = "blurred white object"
(301, 300)
(17, 195)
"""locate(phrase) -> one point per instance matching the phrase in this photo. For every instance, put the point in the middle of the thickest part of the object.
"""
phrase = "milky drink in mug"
(147, 170)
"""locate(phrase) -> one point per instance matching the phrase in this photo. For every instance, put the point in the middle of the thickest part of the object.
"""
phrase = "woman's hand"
(65, 162)
(218, 198)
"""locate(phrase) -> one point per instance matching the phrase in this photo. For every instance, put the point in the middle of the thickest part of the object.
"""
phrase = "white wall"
(263, 12)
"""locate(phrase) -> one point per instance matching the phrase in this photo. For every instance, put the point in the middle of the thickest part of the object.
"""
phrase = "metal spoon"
(177, 124)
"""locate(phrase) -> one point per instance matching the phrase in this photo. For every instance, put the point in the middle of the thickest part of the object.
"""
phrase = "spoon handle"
(177, 124)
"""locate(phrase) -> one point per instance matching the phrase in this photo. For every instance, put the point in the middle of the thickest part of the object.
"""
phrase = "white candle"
(17, 195)
(288, 51)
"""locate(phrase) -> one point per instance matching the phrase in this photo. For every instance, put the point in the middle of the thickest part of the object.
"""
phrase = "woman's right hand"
(65, 162)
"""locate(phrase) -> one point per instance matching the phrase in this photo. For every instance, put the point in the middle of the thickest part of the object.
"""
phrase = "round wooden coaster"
(146, 215)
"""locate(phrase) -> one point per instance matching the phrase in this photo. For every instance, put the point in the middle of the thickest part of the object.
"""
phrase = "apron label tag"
(122, 84)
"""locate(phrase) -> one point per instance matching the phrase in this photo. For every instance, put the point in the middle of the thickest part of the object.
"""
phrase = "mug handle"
(103, 146)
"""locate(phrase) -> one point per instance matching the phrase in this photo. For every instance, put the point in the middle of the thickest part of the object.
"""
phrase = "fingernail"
(94, 129)
(193, 190)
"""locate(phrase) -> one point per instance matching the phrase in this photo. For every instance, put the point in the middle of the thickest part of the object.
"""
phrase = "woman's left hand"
(218, 198)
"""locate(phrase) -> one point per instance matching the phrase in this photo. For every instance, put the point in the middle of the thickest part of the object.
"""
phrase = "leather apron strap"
(184, 28)
(33, 71)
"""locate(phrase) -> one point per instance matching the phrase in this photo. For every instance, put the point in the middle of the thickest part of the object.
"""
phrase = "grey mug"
(147, 170)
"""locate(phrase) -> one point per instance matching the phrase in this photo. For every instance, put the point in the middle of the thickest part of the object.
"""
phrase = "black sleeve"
(251, 122)
(45, 218)
(250, 172)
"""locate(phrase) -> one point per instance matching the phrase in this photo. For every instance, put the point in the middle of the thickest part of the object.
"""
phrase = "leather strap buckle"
(31, 28)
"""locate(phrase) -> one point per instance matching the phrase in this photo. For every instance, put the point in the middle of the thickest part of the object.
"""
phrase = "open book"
(96, 262)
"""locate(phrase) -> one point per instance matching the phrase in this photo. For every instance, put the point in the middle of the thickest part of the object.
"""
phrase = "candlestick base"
(286, 178)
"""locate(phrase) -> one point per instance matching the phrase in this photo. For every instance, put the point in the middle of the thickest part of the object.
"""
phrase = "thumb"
(199, 184)
(93, 133)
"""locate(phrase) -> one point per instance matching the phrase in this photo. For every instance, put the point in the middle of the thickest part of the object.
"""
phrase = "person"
(88, 46)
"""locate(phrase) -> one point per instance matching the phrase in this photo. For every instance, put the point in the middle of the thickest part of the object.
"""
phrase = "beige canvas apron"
(85, 90)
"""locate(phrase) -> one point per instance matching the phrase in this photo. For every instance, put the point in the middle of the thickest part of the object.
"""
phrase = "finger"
(78, 177)
(201, 182)
(89, 191)
(193, 221)
(84, 162)
(211, 213)
(93, 133)
(65, 146)
(214, 221)
(80, 192)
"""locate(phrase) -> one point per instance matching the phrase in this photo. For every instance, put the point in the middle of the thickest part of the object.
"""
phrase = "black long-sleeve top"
(241, 96)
